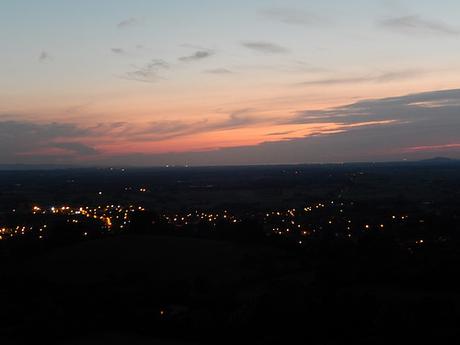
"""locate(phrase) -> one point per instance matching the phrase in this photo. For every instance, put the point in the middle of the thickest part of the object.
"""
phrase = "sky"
(210, 82)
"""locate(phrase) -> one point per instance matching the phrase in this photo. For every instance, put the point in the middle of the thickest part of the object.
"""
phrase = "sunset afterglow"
(182, 82)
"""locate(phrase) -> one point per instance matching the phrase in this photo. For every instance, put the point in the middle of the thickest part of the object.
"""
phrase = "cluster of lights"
(200, 217)
(292, 222)
(19, 230)
(110, 216)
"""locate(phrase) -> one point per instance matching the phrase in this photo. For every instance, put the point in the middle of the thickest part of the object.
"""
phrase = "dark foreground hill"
(138, 289)
(176, 290)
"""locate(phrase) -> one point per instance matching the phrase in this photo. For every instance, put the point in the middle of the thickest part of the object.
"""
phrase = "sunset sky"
(146, 82)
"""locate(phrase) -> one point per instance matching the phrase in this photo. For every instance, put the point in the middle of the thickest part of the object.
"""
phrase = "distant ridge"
(438, 160)
(25, 167)
(46, 167)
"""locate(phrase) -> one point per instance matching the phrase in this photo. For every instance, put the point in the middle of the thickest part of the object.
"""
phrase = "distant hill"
(439, 160)
(38, 167)
(31, 167)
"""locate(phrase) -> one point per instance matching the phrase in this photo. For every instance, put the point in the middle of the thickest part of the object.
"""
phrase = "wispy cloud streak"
(118, 51)
(218, 71)
(44, 57)
(265, 47)
(417, 25)
(129, 22)
(148, 73)
(198, 55)
(371, 78)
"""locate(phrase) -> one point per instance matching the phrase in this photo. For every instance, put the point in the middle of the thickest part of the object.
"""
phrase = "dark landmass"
(438, 160)
(323, 254)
